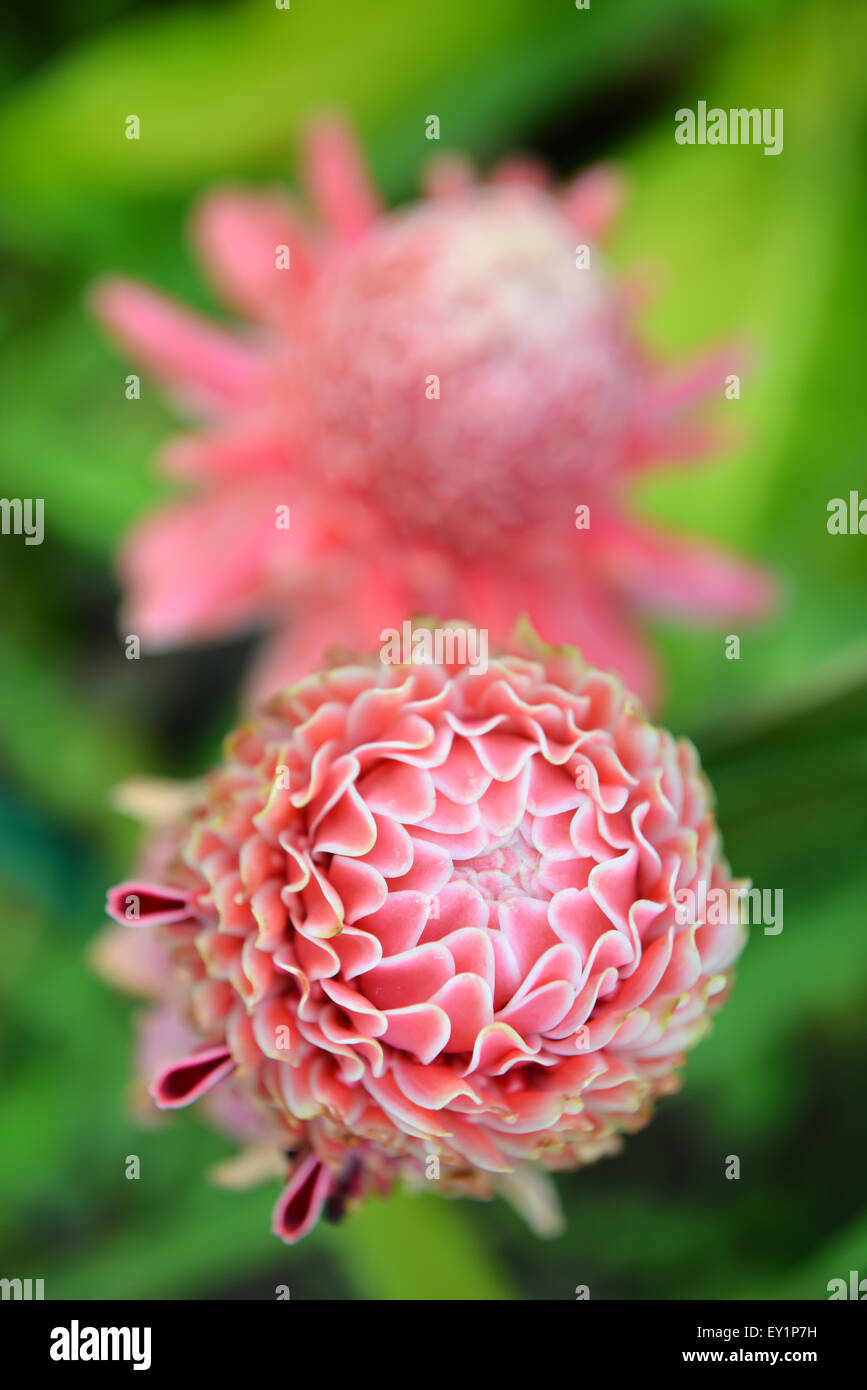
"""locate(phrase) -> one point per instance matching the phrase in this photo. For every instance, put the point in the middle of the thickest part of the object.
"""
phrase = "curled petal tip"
(181, 1083)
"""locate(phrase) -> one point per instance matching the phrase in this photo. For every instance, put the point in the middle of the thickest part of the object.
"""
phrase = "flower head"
(426, 919)
(431, 393)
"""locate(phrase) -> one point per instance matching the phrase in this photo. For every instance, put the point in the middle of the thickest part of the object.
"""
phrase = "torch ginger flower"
(431, 393)
(430, 914)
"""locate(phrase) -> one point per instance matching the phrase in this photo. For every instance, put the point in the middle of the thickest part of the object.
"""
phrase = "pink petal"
(593, 200)
(409, 978)
(522, 171)
(448, 176)
(680, 576)
(398, 924)
(135, 962)
(231, 453)
(584, 613)
(154, 904)
(207, 566)
(467, 1001)
(432, 1087)
(300, 1204)
(238, 234)
(181, 1083)
(345, 198)
(422, 1029)
(206, 368)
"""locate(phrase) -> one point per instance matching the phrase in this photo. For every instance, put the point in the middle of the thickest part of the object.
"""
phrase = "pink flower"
(432, 393)
(427, 918)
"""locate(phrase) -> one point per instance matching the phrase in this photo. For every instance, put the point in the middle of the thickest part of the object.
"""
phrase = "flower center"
(505, 870)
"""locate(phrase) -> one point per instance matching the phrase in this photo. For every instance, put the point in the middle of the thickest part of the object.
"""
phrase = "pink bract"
(429, 913)
(431, 392)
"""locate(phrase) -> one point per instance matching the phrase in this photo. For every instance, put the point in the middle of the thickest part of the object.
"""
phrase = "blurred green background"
(768, 248)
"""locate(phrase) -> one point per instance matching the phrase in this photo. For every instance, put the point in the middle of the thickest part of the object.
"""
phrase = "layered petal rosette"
(424, 397)
(426, 918)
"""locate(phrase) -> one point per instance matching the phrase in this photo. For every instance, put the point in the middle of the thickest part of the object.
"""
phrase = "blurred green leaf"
(74, 771)
(768, 251)
(418, 1247)
(223, 91)
(847, 1251)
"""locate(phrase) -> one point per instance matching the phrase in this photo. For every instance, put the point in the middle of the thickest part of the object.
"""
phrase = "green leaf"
(418, 1247)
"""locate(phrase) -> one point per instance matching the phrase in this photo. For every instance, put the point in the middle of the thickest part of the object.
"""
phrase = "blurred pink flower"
(431, 392)
(426, 919)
